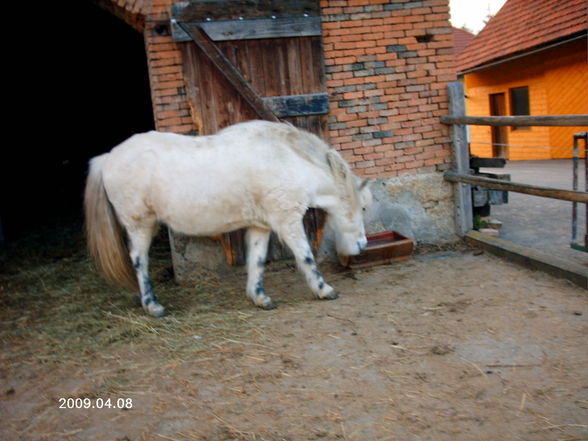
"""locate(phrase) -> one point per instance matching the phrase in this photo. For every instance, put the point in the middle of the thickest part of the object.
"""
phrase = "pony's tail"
(104, 233)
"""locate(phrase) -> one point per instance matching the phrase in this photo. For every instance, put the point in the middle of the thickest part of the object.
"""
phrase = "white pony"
(258, 175)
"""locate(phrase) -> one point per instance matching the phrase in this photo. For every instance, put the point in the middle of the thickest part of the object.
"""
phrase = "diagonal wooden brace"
(228, 70)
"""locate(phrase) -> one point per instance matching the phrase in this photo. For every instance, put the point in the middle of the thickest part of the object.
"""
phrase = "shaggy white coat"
(257, 175)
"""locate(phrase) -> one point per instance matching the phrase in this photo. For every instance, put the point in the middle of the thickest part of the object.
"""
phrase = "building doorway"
(91, 91)
(499, 134)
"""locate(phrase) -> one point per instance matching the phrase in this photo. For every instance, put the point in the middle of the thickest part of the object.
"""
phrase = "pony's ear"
(364, 183)
(337, 164)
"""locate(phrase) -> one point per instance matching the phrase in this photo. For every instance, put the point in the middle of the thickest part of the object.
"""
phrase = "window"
(519, 103)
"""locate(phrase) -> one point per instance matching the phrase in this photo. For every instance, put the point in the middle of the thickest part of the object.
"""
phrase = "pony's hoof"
(331, 296)
(156, 310)
(269, 306)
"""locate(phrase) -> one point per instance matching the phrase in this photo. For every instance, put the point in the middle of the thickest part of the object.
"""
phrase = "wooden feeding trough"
(382, 248)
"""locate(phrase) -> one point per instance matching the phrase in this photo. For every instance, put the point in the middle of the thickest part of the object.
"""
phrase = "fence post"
(461, 160)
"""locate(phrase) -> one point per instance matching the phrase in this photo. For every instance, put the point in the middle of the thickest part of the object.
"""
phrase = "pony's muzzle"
(362, 243)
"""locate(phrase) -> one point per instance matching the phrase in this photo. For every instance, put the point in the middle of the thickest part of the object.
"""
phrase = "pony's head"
(346, 217)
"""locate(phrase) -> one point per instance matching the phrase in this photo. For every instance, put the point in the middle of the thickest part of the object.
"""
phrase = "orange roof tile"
(461, 38)
(521, 25)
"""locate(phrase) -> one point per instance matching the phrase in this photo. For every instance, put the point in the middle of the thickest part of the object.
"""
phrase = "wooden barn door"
(247, 60)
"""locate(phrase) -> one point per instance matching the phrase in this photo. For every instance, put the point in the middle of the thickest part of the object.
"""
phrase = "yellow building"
(530, 59)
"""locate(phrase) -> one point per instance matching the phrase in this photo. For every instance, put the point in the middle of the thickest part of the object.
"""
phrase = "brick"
(365, 164)
(168, 85)
(373, 156)
(414, 164)
(373, 171)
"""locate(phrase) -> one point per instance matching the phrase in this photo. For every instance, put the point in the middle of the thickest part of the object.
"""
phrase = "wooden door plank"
(311, 68)
(319, 63)
(211, 97)
(294, 67)
(193, 92)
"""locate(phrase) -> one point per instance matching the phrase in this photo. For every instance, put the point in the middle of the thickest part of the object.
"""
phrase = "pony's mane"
(306, 145)
(311, 148)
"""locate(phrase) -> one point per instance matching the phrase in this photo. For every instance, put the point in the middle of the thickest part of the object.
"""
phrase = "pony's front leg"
(257, 243)
(294, 236)
(140, 242)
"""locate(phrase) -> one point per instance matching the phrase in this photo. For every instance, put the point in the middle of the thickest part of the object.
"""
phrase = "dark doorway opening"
(89, 90)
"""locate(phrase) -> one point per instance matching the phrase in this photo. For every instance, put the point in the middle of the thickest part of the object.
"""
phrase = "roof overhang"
(526, 53)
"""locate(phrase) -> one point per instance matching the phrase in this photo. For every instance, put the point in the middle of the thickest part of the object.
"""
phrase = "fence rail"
(535, 190)
(518, 121)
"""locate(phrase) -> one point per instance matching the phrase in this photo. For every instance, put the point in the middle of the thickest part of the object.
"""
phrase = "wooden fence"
(460, 175)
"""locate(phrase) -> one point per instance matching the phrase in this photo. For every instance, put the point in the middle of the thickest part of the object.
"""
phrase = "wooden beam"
(461, 160)
(209, 10)
(226, 30)
(497, 184)
(230, 72)
(518, 121)
(298, 105)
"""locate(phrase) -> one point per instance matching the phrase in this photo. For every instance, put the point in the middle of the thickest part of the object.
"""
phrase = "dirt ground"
(453, 344)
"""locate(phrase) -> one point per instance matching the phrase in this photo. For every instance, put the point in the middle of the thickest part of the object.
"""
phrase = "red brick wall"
(387, 63)
(168, 91)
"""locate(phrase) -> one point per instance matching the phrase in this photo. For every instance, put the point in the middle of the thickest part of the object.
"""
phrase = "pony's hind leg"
(257, 243)
(140, 241)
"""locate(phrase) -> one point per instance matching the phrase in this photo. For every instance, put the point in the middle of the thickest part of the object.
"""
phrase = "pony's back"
(305, 144)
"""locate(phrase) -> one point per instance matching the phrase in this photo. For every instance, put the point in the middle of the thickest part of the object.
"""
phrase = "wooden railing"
(518, 121)
(461, 173)
(535, 190)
